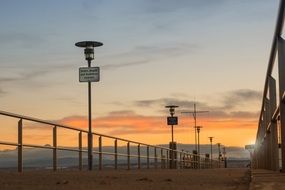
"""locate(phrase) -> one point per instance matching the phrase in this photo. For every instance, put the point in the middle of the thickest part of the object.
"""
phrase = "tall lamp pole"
(198, 128)
(89, 56)
(211, 141)
(219, 148)
(172, 121)
(194, 113)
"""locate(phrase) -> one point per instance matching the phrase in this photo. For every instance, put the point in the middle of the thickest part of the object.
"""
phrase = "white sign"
(89, 74)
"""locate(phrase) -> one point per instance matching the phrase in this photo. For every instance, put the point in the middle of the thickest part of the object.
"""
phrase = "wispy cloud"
(22, 39)
(241, 96)
(232, 104)
(149, 54)
(166, 6)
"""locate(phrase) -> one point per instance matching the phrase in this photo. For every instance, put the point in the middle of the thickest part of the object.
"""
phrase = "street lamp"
(198, 128)
(220, 155)
(88, 75)
(172, 112)
(211, 141)
(172, 121)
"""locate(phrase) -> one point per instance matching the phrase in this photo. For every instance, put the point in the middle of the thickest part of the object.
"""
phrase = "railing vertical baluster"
(116, 154)
(180, 160)
(147, 156)
(80, 149)
(139, 156)
(155, 158)
(161, 158)
(20, 145)
(128, 150)
(54, 148)
(100, 153)
(184, 160)
(167, 159)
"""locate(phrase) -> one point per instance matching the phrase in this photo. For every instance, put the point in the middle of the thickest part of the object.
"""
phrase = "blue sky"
(164, 51)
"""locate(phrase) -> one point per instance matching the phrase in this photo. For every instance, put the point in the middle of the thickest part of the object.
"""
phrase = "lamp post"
(219, 148)
(172, 112)
(211, 141)
(89, 56)
(198, 128)
(172, 121)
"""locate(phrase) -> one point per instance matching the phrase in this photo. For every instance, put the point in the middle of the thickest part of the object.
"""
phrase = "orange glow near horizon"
(145, 129)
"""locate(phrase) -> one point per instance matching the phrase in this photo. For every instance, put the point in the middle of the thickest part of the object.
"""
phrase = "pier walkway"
(166, 179)
(267, 180)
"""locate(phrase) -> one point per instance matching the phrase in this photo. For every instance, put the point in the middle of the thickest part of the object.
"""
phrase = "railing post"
(139, 156)
(155, 158)
(80, 149)
(161, 158)
(116, 154)
(180, 160)
(281, 75)
(147, 156)
(167, 159)
(128, 150)
(20, 145)
(273, 126)
(54, 148)
(100, 153)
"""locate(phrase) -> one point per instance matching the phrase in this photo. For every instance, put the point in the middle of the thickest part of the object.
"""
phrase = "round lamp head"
(85, 44)
(89, 48)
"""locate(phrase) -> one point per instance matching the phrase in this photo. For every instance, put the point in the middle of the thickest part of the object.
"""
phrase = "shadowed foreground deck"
(215, 179)
(267, 180)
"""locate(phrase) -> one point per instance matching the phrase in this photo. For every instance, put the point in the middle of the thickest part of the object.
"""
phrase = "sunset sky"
(212, 52)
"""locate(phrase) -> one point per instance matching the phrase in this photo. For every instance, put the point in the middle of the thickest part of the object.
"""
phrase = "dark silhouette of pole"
(198, 128)
(90, 136)
(219, 147)
(211, 142)
(225, 158)
(194, 113)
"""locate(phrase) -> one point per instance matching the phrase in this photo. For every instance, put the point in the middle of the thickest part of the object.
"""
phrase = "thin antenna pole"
(195, 126)
(194, 113)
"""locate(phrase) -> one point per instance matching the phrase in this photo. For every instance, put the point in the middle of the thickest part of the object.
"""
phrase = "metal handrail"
(266, 150)
(192, 159)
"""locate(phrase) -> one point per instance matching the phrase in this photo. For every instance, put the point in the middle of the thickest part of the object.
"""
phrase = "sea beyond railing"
(153, 157)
